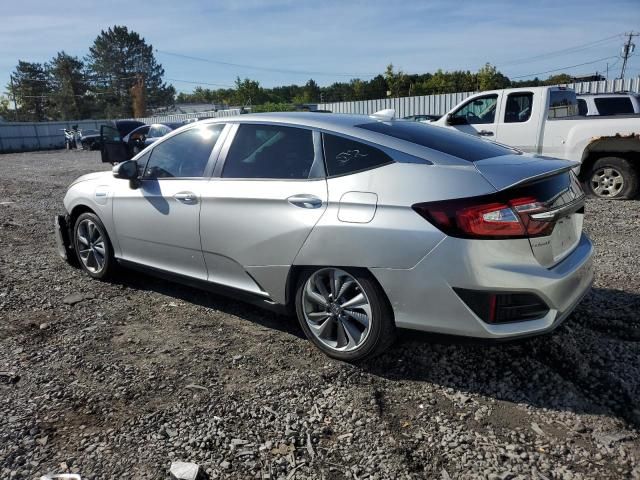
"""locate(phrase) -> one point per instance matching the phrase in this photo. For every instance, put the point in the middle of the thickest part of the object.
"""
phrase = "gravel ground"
(141, 372)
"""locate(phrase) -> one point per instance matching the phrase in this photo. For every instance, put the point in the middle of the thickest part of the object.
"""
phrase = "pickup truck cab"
(545, 121)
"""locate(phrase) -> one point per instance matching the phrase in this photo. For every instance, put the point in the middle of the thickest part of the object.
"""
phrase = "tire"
(93, 247)
(364, 330)
(612, 178)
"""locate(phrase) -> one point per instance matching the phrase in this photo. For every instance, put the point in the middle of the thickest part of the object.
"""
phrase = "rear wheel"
(93, 247)
(612, 177)
(344, 313)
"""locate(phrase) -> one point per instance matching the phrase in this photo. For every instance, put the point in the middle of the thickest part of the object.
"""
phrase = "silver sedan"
(358, 224)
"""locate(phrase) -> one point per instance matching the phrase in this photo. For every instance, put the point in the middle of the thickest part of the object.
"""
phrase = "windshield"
(441, 139)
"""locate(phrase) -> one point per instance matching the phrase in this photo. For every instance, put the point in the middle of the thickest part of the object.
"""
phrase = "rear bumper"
(62, 232)
(423, 298)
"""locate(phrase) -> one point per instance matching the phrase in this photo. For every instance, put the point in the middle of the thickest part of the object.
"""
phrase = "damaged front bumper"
(63, 237)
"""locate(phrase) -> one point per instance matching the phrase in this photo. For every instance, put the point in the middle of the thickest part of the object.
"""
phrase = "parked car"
(605, 104)
(422, 118)
(359, 224)
(92, 139)
(545, 120)
(145, 135)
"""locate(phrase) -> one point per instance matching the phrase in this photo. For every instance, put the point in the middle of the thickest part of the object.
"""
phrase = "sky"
(331, 40)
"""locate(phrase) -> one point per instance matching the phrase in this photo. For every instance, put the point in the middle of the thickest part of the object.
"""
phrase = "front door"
(158, 223)
(477, 117)
(113, 149)
(258, 211)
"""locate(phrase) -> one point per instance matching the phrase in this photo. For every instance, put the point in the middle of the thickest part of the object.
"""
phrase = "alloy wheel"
(607, 182)
(91, 246)
(336, 309)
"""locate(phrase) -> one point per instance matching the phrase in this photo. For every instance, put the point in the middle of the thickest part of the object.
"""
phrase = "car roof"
(344, 124)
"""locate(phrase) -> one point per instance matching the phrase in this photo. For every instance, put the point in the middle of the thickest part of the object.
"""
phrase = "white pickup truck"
(545, 120)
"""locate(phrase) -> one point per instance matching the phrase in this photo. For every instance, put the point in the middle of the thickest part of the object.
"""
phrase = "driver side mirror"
(127, 170)
(456, 120)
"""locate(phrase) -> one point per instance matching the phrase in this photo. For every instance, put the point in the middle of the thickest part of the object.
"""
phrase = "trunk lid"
(557, 193)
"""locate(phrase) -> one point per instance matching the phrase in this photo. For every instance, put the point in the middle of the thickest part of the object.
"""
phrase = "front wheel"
(345, 313)
(613, 178)
(93, 247)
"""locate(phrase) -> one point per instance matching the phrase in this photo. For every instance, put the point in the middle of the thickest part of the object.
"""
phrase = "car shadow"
(583, 366)
(138, 280)
(586, 365)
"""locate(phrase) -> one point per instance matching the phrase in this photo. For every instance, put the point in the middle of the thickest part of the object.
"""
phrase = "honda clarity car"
(358, 225)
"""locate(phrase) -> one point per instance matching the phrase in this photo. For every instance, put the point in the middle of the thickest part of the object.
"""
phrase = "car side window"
(270, 151)
(478, 111)
(184, 155)
(343, 155)
(582, 107)
(614, 106)
(518, 107)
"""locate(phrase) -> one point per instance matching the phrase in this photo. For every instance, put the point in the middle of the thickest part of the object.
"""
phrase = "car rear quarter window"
(440, 139)
(271, 151)
(614, 106)
(344, 155)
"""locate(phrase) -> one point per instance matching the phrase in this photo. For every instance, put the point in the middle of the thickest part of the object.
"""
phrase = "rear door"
(268, 192)
(519, 122)
(113, 149)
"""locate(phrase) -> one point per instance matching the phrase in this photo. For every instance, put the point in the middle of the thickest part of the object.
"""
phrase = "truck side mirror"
(455, 120)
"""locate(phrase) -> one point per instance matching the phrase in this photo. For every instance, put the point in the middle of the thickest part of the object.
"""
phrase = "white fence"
(30, 136)
(441, 104)
(27, 136)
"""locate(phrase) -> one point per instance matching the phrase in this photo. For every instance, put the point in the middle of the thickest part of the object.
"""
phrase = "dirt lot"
(142, 372)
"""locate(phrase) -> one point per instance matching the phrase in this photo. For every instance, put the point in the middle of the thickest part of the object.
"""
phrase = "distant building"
(179, 108)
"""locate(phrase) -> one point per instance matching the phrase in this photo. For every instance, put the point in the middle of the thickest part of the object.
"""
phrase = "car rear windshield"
(440, 139)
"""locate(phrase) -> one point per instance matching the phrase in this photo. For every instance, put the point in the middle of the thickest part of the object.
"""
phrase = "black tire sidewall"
(380, 321)
(109, 261)
(626, 169)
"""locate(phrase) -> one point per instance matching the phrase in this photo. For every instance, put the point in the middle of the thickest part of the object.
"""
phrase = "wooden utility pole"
(627, 50)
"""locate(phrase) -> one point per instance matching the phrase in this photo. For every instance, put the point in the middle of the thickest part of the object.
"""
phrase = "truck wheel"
(613, 178)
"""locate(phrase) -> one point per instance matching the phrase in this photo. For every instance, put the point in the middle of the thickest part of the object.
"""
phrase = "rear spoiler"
(509, 171)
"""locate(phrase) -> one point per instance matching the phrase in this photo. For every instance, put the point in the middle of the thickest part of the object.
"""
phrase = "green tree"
(68, 87)
(489, 78)
(5, 112)
(31, 88)
(396, 81)
(117, 58)
(248, 92)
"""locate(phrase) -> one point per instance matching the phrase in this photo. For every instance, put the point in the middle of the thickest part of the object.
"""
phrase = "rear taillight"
(487, 217)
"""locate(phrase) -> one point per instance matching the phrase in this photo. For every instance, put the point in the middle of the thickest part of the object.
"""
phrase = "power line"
(563, 68)
(563, 51)
(200, 83)
(266, 69)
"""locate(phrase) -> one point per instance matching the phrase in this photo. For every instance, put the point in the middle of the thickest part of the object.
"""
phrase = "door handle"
(305, 201)
(186, 197)
(485, 133)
